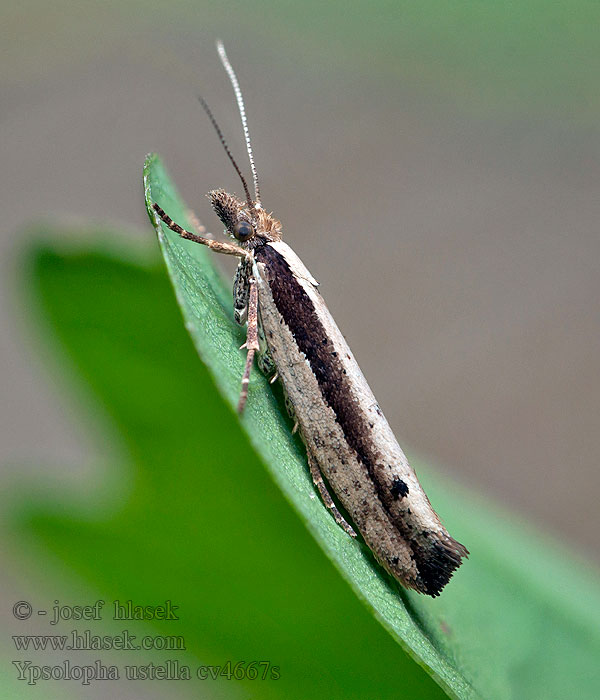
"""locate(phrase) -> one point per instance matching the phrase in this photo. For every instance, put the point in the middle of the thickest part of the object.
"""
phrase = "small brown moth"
(348, 440)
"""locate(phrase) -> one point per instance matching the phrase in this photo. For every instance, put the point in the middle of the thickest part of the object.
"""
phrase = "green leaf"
(186, 510)
(519, 619)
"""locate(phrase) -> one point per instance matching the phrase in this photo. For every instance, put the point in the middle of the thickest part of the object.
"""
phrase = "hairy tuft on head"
(227, 207)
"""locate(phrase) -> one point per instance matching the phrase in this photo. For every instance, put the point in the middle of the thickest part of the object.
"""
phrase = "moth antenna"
(240, 101)
(213, 121)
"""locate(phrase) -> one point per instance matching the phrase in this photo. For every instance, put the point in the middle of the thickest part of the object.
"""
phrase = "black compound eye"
(243, 230)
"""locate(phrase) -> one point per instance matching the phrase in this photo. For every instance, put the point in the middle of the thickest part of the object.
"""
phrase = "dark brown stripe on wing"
(299, 314)
(435, 561)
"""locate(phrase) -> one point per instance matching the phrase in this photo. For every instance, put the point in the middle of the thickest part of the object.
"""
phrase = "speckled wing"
(345, 430)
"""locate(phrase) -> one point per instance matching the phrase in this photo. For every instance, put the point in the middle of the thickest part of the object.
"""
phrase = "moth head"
(232, 213)
(243, 222)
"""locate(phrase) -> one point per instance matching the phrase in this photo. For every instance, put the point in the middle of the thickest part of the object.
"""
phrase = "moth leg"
(265, 360)
(291, 411)
(266, 364)
(317, 477)
(289, 406)
(241, 291)
(251, 343)
(217, 246)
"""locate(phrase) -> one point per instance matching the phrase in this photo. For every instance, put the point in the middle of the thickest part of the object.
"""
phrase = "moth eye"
(243, 230)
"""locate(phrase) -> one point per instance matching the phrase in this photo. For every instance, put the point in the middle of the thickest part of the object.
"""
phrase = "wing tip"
(436, 563)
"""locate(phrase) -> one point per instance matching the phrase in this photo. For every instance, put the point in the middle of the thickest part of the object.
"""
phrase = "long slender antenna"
(213, 121)
(240, 101)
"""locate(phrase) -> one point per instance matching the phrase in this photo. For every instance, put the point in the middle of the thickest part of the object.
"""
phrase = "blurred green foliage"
(198, 520)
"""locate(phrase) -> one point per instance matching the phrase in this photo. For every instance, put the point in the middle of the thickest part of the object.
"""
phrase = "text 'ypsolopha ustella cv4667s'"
(348, 441)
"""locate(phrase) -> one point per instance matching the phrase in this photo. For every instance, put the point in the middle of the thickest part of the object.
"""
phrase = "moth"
(350, 446)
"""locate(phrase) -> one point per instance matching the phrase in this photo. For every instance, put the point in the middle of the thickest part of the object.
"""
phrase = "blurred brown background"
(435, 166)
